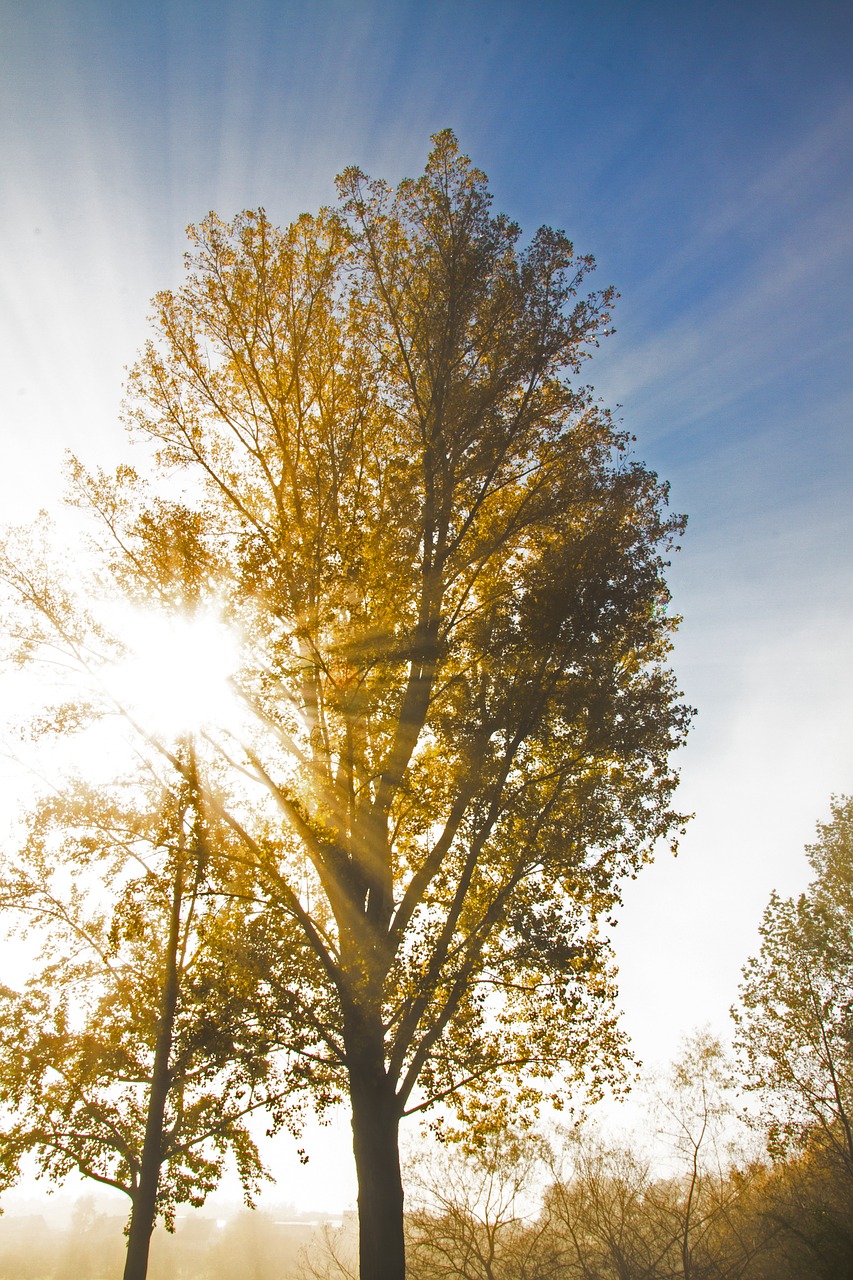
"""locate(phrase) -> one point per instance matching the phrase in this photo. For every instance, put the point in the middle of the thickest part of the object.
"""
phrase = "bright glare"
(177, 676)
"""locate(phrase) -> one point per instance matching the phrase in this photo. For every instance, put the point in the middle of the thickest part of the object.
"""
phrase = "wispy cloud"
(760, 323)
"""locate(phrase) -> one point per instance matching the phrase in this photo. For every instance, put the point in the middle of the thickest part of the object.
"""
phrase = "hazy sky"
(702, 151)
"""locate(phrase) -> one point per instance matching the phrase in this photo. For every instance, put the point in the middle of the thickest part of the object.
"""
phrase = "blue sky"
(702, 151)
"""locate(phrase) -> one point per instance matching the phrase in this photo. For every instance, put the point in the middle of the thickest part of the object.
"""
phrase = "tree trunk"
(375, 1126)
(145, 1199)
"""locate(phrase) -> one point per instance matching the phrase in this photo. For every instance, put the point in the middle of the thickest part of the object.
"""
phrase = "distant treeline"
(252, 1245)
(608, 1216)
(514, 1207)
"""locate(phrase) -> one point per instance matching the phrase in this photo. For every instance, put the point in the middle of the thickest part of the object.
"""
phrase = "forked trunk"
(375, 1129)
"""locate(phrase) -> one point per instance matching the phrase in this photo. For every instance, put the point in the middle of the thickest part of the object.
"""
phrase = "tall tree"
(794, 1035)
(372, 454)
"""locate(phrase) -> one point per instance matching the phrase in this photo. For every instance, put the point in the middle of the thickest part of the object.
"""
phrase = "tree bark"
(375, 1130)
(145, 1199)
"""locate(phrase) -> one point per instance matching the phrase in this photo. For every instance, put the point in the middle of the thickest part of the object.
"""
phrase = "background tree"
(794, 1030)
(474, 1209)
(802, 1212)
(794, 1047)
(600, 1213)
(673, 1204)
(448, 575)
(696, 1120)
(143, 1039)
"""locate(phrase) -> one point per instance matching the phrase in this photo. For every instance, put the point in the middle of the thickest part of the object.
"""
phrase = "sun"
(178, 673)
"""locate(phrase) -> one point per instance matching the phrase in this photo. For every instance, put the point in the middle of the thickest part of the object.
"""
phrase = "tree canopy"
(371, 454)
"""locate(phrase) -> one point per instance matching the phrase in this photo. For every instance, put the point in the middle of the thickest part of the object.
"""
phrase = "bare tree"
(475, 1211)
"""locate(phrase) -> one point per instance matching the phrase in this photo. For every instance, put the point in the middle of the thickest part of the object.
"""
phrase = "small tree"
(138, 1046)
(448, 575)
